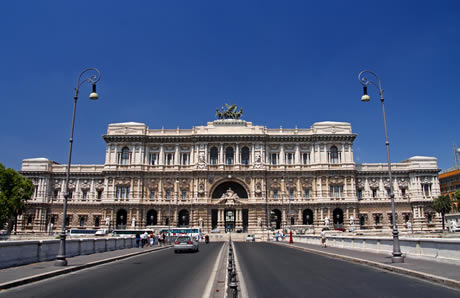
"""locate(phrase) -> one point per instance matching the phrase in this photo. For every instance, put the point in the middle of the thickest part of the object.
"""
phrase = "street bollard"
(234, 289)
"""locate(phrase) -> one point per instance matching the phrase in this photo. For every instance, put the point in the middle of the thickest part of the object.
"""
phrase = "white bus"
(130, 233)
(194, 232)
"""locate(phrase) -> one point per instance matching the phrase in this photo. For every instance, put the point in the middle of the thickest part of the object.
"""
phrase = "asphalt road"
(158, 274)
(271, 270)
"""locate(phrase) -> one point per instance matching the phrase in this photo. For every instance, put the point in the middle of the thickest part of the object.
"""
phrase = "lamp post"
(93, 79)
(290, 220)
(397, 255)
(266, 207)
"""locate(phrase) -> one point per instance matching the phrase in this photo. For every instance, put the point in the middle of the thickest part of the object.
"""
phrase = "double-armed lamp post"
(397, 256)
(93, 79)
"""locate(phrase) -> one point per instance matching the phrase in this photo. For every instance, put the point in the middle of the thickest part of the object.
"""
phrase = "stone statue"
(229, 197)
(107, 221)
(352, 220)
(326, 222)
(453, 225)
(230, 113)
(201, 160)
(409, 225)
(133, 222)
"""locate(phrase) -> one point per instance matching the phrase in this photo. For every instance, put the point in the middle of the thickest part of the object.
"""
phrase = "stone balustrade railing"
(444, 250)
(15, 253)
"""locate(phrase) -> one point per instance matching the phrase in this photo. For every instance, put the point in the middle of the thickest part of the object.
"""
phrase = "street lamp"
(93, 79)
(397, 255)
(266, 208)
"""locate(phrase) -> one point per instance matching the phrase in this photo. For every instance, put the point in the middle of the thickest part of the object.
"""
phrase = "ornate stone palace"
(231, 174)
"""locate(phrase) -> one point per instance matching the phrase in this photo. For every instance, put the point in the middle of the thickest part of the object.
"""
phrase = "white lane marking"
(239, 275)
(212, 278)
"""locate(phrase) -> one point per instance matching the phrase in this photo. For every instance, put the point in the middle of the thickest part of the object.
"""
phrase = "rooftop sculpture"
(231, 112)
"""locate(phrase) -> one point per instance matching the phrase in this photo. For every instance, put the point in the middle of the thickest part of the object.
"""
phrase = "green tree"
(442, 205)
(14, 191)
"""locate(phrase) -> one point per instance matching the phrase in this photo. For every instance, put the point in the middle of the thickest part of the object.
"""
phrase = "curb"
(425, 276)
(42, 276)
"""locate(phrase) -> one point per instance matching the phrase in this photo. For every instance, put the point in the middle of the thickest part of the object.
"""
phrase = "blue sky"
(172, 63)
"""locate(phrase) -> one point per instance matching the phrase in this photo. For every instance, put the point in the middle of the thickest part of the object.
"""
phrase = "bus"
(130, 233)
(81, 232)
(194, 232)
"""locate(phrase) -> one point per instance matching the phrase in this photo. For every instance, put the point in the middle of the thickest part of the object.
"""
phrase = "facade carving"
(231, 174)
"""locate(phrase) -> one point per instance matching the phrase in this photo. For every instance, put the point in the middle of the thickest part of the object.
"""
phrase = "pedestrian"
(159, 239)
(152, 239)
(163, 238)
(323, 238)
(138, 239)
(277, 236)
(144, 239)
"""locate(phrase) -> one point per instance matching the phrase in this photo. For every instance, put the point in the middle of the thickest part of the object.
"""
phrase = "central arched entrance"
(236, 187)
(229, 217)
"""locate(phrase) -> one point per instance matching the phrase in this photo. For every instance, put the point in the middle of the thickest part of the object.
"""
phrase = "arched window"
(124, 156)
(334, 155)
(307, 218)
(245, 155)
(229, 155)
(152, 217)
(213, 156)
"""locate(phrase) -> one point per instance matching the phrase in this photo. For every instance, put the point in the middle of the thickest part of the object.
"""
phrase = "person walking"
(152, 239)
(138, 239)
(144, 239)
(163, 238)
(323, 238)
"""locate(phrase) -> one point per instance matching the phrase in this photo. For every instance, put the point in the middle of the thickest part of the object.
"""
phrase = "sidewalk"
(19, 275)
(444, 273)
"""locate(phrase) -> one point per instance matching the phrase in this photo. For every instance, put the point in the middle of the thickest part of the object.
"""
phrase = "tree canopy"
(442, 204)
(14, 191)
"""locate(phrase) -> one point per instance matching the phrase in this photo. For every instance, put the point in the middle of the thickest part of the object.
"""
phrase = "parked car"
(251, 238)
(185, 243)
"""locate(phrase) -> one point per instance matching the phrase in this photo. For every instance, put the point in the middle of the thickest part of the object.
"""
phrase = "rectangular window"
(84, 194)
(289, 158)
(307, 193)
(185, 159)
(168, 195)
(122, 192)
(403, 191)
(184, 195)
(152, 194)
(99, 195)
(427, 189)
(359, 194)
(374, 193)
(153, 159)
(275, 193)
(274, 158)
(70, 195)
(306, 158)
(169, 159)
(336, 191)
(291, 193)
(56, 194)
(388, 193)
